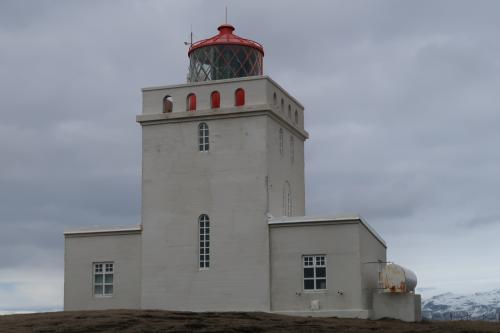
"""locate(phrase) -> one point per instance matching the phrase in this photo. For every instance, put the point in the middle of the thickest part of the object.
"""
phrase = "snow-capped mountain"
(450, 306)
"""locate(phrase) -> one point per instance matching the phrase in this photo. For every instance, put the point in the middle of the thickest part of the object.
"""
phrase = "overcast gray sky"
(402, 107)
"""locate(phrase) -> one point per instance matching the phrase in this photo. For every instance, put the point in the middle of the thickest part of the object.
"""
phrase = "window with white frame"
(281, 141)
(103, 278)
(203, 137)
(204, 232)
(314, 272)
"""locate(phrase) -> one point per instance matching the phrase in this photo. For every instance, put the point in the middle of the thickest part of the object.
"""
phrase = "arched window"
(282, 105)
(215, 100)
(168, 104)
(296, 117)
(289, 112)
(275, 100)
(239, 97)
(191, 102)
(287, 199)
(203, 143)
(204, 236)
(281, 141)
(292, 153)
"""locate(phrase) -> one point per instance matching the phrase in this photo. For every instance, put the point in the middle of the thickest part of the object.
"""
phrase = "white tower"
(221, 154)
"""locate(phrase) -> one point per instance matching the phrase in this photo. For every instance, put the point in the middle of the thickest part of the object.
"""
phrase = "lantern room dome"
(226, 36)
(224, 56)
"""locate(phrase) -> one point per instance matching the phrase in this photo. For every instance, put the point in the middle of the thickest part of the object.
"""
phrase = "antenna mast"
(226, 14)
(191, 37)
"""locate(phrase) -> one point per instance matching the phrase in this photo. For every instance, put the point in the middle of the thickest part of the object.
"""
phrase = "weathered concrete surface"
(248, 180)
(82, 250)
(237, 183)
(402, 306)
(344, 242)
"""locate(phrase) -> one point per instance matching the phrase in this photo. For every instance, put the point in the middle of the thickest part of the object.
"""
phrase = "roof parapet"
(315, 220)
(104, 230)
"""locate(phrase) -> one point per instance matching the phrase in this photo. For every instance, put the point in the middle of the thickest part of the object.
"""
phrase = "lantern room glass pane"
(218, 62)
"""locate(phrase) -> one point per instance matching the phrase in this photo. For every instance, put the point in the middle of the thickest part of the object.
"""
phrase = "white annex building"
(223, 225)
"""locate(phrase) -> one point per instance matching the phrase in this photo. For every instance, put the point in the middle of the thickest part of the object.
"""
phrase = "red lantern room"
(224, 56)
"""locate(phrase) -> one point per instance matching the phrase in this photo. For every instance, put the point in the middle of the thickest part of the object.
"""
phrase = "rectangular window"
(103, 278)
(314, 272)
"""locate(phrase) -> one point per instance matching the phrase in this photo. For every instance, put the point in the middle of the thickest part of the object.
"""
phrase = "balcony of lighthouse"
(217, 97)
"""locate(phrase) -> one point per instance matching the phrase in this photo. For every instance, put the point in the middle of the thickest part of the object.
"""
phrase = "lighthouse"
(225, 158)
(223, 224)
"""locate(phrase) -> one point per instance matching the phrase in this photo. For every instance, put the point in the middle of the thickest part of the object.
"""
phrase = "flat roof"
(312, 220)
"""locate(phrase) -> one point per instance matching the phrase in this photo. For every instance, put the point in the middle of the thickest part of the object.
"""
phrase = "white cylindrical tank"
(398, 279)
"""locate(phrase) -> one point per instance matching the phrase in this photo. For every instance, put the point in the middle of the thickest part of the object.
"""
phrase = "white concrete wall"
(259, 90)
(274, 89)
(372, 250)
(255, 94)
(402, 306)
(281, 169)
(228, 183)
(340, 243)
(124, 250)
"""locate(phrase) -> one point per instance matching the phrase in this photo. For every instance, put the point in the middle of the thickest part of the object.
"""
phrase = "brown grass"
(146, 321)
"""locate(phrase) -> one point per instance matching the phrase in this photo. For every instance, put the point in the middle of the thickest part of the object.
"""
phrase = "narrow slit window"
(292, 149)
(287, 199)
(239, 97)
(203, 137)
(191, 102)
(281, 141)
(215, 100)
(168, 104)
(296, 117)
(289, 112)
(204, 235)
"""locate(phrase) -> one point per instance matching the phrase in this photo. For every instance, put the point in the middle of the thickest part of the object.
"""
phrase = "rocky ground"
(224, 322)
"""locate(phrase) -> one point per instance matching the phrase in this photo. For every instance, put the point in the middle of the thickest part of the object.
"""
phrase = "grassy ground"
(146, 321)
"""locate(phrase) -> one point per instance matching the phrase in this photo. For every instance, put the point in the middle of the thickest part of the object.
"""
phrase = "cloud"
(24, 289)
